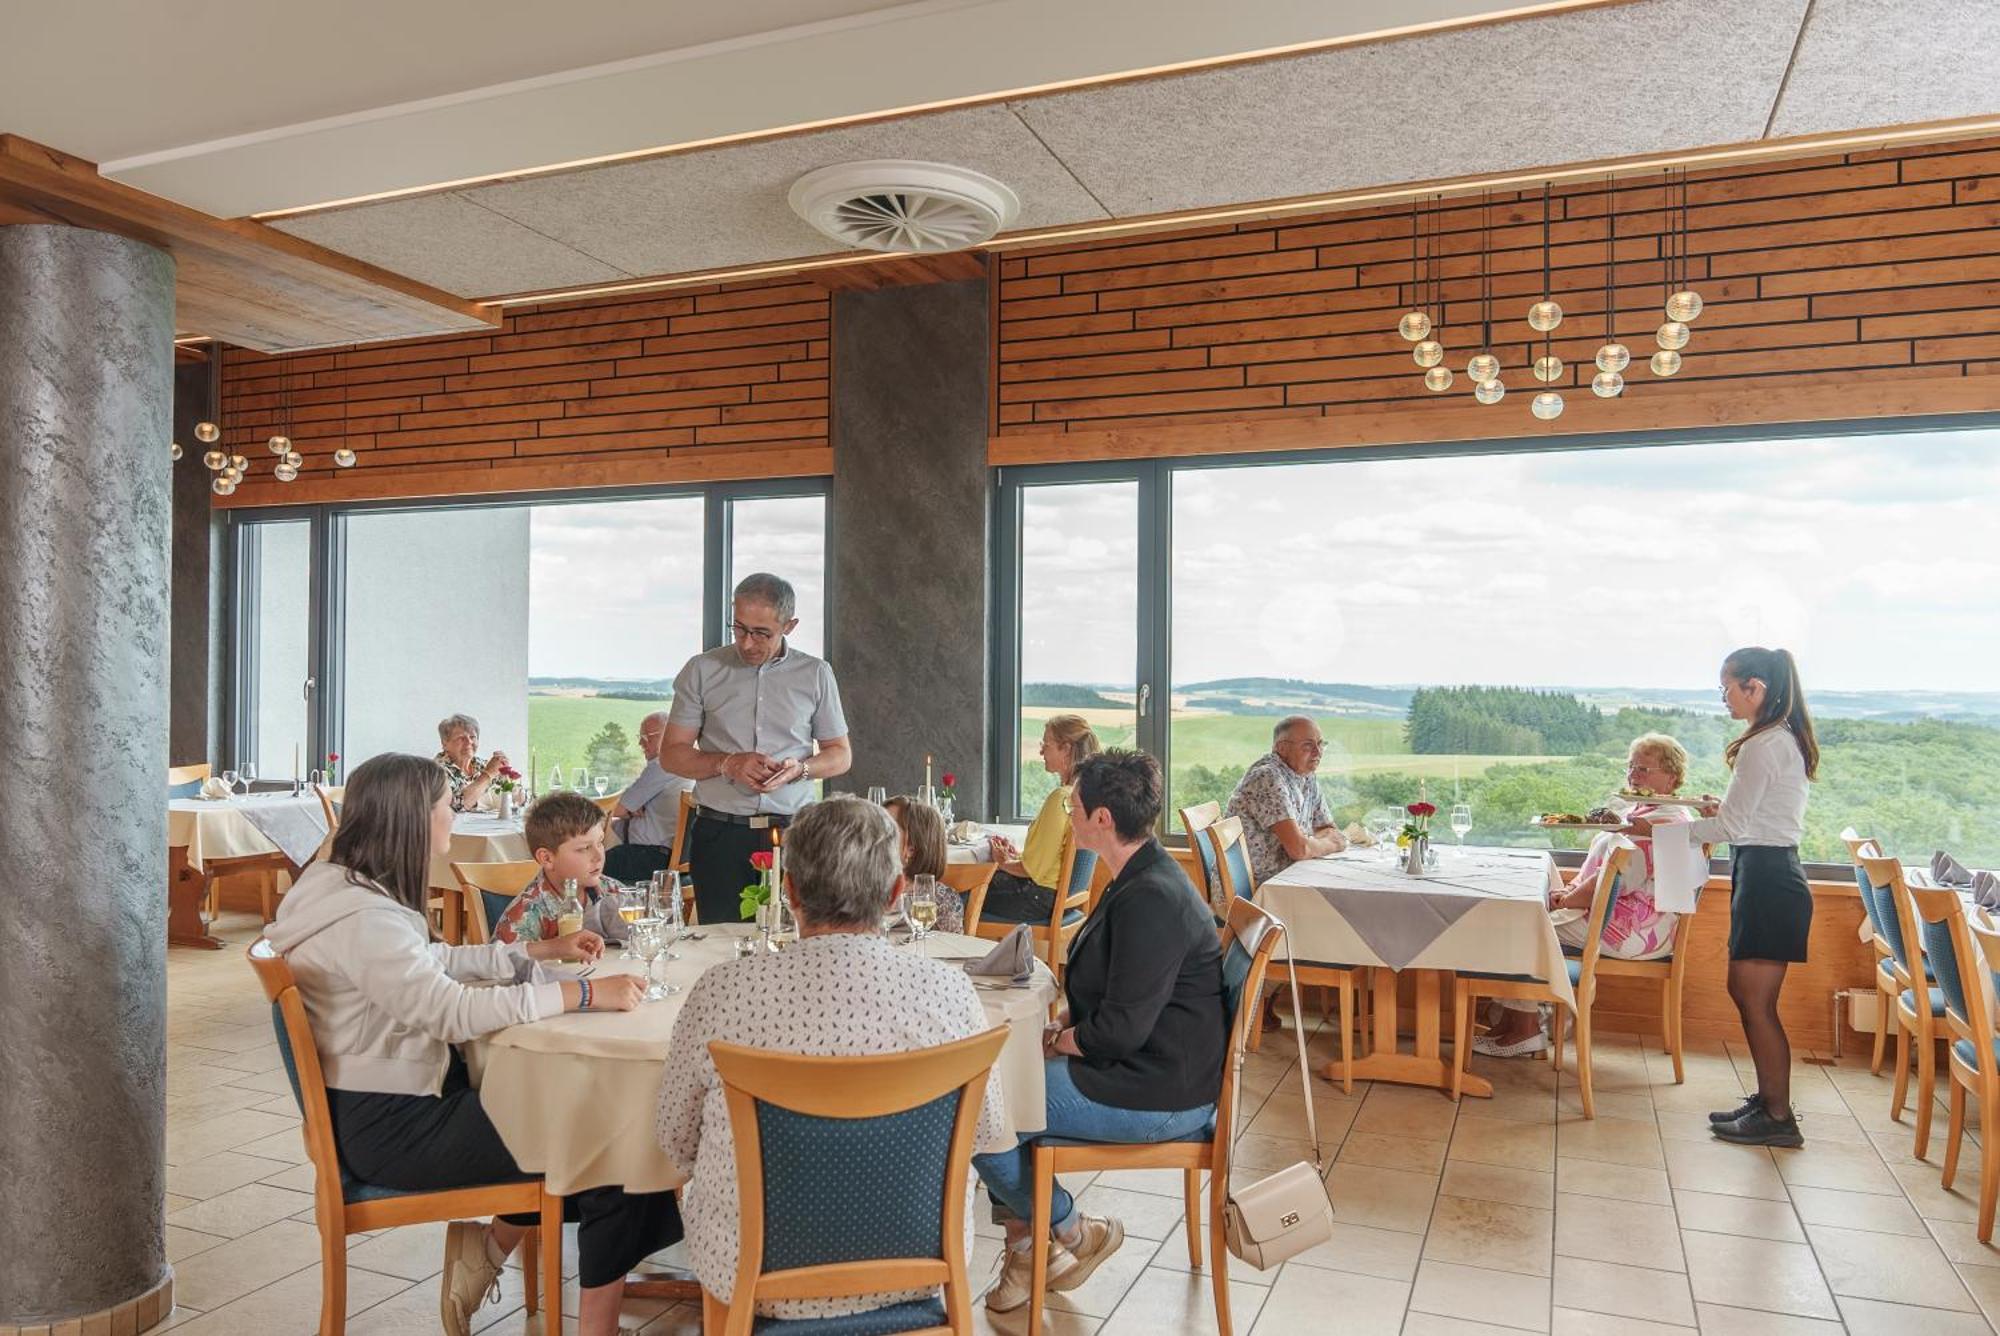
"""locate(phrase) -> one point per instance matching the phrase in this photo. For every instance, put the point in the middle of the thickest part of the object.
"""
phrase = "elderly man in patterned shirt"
(1284, 814)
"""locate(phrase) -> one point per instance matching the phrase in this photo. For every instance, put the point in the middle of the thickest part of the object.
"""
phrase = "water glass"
(878, 795)
(675, 912)
(555, 778)
(1461, 820)
(249, 772)
(229, 778)
(600, 784)
(649, 941)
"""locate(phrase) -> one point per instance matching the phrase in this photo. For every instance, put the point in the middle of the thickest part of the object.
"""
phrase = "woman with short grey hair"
(840, 990)
(458, 756)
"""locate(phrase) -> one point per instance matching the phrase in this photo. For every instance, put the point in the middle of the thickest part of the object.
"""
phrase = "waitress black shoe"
(1759, 1128)
(1750, 1105)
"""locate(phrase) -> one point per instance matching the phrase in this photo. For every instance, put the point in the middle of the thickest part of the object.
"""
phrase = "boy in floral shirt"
(566, 831)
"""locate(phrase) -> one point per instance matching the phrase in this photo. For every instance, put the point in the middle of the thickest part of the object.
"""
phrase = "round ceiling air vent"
(892, 205)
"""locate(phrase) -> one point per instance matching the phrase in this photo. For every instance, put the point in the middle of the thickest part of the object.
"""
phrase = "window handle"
(306, 687)
(1145, 698)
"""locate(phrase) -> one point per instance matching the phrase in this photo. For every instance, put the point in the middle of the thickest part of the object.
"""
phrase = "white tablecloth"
(1483, 910)
(220, 829)
(574, 1097)
(979, 850)
(477, 837)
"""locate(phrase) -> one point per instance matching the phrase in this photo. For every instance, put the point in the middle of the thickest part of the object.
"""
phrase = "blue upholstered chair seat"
(1575, 975)
(1072, 916)
(191, 789)
(1967, 1054)
(495, 905)
(1909, 999)
(912, 1316)
(1888, 968)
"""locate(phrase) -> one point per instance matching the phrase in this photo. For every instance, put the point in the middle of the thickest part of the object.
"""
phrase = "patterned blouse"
(536, 913)
(835, 994)
(1636, 928)
(1269, 792)
(457, 778)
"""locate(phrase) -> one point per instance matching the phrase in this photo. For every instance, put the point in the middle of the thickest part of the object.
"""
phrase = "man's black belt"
(760, 821)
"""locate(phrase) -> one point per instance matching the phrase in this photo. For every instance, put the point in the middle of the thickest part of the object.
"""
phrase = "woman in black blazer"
(1136, 1054)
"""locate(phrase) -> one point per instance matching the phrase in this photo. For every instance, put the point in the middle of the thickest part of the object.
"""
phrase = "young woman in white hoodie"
(388, 1005)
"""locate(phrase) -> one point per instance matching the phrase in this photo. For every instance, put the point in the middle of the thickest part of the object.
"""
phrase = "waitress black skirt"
(1770, 905)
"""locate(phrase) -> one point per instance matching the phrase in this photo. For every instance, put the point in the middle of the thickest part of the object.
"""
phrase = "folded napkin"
(1357, 836)
(1986, 890)
(1948, 871)
(1013, 958)
(965, 832)
(213, 787)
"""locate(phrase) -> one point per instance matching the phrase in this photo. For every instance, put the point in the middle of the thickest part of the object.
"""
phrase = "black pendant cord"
(1548, 335)
(1610, 259)
(1486, 272)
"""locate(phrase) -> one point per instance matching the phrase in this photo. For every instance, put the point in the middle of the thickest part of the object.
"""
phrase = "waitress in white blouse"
(1770, 905)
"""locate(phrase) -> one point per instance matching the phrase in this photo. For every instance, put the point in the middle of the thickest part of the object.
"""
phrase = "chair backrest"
(1886, 875)
(327, 808)
(1883, 925)
(1233, 879)
(1250, 935)
(1611, 876)
(486, 889)
(807, 1129)
(1079, 869)
(301, 1058)
(185, 781)
(1948, 946)
(1984, 954)
(970, 880)
(679, 857)
(1195, 820)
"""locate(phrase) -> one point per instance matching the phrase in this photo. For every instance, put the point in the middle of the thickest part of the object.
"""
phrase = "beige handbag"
(1281, 1216)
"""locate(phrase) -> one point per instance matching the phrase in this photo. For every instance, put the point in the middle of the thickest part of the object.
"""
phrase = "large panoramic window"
(1494, 629)
(275, 700)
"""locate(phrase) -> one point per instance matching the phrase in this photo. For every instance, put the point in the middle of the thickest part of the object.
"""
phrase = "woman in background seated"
(1635, 929)
(1023, 889)
(388, 1007)
(924, 855)
(458, 755)
(841, 990)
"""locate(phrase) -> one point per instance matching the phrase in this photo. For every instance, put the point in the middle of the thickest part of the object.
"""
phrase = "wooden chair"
(679, 855)
(1976, 1058)
(1919, 1007)
(1671, 972)
(1883, 929)
(485, 890)
(344, 1207)
(1249, 937)
(1075, 897)
(970, 880)
(904, 1124)
(327, 809)
(1195, 820)
(1233, 882)
(1583, 987)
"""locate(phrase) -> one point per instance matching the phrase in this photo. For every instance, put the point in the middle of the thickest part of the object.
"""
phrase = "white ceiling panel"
(703, 210)
(452, 243)
(1653, 76)
(1895, 62)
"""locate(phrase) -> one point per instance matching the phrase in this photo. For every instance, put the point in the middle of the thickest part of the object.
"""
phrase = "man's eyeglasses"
(763, 635)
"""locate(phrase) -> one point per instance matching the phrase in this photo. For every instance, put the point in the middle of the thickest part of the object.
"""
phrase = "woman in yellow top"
(1023, 889)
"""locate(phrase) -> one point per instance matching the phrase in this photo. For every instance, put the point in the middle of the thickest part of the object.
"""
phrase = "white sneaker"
(1017, 1276)
(1534, 1043)
(470, 1279)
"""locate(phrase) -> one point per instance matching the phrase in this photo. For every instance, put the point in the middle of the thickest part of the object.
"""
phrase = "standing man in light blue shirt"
(754, 724)
(648, 813)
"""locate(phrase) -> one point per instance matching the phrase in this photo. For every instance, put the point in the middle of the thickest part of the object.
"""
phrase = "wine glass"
(631, 906)
(920, 905)
(649, 941)
(249, 772)
(555, 778)
(1461, 821)
(675, 912)
(1381, 824)
(580, 781)
(229, 779)
(600, 784)
(878, 795)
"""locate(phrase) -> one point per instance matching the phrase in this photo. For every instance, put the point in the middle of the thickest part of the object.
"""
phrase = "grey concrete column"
(910, 507)
(86, 402)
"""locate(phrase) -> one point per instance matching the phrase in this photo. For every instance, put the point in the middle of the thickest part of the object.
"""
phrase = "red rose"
(333, 756)
(950, 780)
(761, 860)
(1423, 809)
(510, 772)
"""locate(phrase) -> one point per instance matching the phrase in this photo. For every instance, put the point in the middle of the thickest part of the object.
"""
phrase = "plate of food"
(1658, 799)
(1598, 818)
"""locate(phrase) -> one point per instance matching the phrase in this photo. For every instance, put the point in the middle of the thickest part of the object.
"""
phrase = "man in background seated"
(1284, 815)
(648, 812)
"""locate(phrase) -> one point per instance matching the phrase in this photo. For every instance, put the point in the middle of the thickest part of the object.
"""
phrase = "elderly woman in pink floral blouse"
(1636, 928)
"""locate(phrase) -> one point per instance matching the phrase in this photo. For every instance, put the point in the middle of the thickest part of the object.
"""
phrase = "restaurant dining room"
(1399, 600)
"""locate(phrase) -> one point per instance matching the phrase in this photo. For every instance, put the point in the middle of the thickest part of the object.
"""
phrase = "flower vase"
(504, 809)
(944, 809)
(1414, 856)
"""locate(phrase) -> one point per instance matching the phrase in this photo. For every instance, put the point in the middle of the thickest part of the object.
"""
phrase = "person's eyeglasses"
(761, 634)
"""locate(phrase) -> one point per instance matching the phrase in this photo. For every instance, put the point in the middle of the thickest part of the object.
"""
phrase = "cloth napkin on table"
(1986, 889)
(1948, 871)
(213, 787)
(1013, 958)
(1356, 836)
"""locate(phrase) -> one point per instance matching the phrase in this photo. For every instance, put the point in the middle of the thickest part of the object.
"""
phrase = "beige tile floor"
(1505, 1215)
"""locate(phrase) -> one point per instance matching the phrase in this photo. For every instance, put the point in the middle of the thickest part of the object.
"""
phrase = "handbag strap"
(1305, 1072)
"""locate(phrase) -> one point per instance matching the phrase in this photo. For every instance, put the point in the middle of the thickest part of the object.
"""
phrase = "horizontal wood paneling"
(1854, 285)
(699, 384)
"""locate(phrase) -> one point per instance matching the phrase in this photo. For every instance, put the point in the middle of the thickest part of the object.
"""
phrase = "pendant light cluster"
(1423, 319)
(230, 469)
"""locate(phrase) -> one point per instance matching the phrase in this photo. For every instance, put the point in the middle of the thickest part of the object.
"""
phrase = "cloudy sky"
(1873, 559)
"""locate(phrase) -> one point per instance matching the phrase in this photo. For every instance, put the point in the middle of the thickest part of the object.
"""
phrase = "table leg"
(1425, 1066)
(187, 892)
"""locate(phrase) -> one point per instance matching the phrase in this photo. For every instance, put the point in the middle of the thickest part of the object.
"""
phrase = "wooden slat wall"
(1866, 284)
(699, 384)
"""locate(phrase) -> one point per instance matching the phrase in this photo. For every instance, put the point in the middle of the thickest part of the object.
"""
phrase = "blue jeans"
(1009, 1175)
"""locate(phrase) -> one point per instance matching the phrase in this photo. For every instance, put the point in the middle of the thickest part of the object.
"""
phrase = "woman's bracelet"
(583, 1002)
